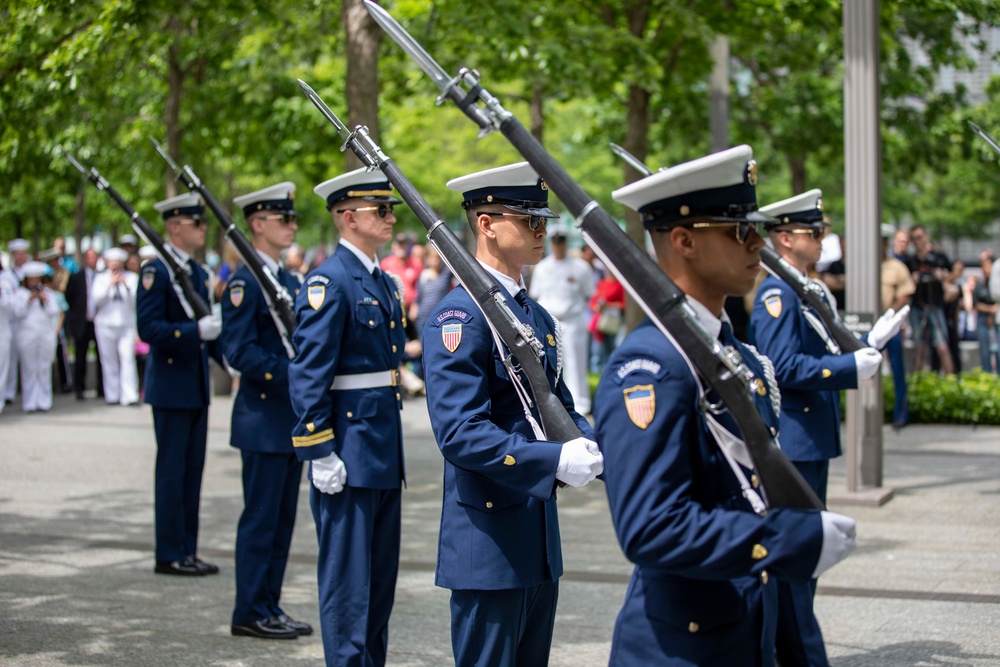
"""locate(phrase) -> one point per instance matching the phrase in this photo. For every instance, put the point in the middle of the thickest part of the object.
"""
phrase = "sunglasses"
(743, 228)
(816, 232)
(381, 210)
(535, 222)
(285, 218)
(195, 220)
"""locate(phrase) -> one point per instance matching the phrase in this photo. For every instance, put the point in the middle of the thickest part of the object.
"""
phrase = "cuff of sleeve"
(313, 446)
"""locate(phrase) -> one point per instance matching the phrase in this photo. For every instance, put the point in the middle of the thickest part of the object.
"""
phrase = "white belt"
(366, 380)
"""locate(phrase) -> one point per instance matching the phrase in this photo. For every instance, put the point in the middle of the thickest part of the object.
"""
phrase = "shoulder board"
(452, 314)
(318, 280)
(640, 365)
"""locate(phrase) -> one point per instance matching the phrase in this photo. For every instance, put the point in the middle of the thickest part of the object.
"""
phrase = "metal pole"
(863, 213)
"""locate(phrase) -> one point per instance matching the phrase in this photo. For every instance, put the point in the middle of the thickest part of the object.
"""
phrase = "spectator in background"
(900, 245)
(408, 268)
(81, 324)
(113, 297)
(952, 305)
(435, 281)
(58, 279)
(133, 264)
(18, 249)
(835, 277)
(129, 243)
(65, 260)
(929, 268)
(607, 306)
(897, 288)
(37, 310)
(295, 263)
(230, 262)
(985, 307)
(563, 286)
(8, 287)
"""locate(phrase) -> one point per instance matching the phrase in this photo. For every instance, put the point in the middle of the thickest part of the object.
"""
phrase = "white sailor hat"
(147, 252)
(18, 245)
(804, 209)
(128, 239)
(886, 230)
(514, 186)
(115, 255)
(358, 184)
(48, 255)
(35, 269)
(188, 205)
(280, 197)
(719, 187)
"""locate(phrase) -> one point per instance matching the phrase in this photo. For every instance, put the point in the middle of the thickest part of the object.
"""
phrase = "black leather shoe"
(302, 628)
(183, 568)
(207, 568)
(269, 628)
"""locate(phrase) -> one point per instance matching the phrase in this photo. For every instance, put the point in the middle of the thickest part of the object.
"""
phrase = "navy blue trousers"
(799, 641)
(264, 534)
(507, 628)
(358, 533)
(180, 460)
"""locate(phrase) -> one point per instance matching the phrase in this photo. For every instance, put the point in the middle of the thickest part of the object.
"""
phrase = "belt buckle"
(394, 374)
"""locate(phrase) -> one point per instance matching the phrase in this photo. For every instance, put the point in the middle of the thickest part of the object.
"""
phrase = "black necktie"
(383, 290)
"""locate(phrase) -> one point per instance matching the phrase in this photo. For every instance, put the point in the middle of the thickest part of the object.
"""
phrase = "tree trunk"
(537, 113)
(175, 93)
(80, 221)
(361, 81)
(797, 169)
(636, 143)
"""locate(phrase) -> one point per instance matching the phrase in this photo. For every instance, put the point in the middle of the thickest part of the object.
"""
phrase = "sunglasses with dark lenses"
(743, 228)
(535, 222)
(285, 218)
(381, 210)
(195, 220)
(816, 232)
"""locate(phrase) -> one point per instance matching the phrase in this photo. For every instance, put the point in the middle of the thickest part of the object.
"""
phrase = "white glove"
(840, 538)
(209, 327)
(867, 361)
(887, 326)
(329, 474)
(580, 462)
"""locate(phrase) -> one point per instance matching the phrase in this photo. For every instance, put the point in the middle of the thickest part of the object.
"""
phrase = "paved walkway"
(76, 582)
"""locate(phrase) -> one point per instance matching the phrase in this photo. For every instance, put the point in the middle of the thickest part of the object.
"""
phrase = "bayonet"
(978, 130)
(632, 160)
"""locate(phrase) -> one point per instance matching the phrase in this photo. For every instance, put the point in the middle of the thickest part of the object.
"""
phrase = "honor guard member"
(499, 549)
(345, 394)
(177, 387)
(810, 372)
(682, 490)
(262, 421)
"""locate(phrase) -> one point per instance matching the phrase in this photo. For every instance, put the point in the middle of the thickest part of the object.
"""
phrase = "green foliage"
(970, 398)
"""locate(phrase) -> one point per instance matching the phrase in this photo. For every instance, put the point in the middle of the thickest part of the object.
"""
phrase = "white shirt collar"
(369, 262)
(269, 263)
(709, 322)
(504, 280)
(180, 253)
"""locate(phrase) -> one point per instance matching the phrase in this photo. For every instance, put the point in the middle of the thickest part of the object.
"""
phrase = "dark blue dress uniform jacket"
(703, 590)
(809, 375)
(262, 410)
(499, 525)
(177, 374)
(341, 314)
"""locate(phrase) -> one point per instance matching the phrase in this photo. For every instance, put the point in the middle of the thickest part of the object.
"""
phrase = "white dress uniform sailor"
(37, 313)
(114, 328)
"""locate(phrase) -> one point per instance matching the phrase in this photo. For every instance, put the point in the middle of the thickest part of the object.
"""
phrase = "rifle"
(191, 301)
(279, 303)
(722, 368)
(806, 290)
(811, 295)
(978, 130)
(525, 349)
